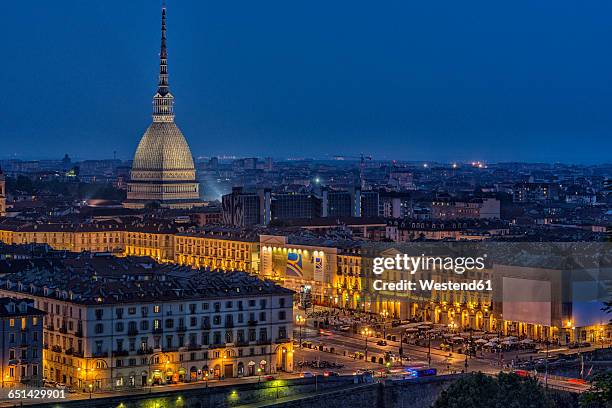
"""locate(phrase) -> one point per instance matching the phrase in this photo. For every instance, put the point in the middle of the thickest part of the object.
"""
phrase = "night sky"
(416, 80)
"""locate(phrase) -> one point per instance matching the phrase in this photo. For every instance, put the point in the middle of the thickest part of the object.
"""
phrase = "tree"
(478, 390)
(600, 395)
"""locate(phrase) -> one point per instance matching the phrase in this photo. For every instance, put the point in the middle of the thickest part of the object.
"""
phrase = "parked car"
(268, 378)
(307, 374)
(328, 373)
(381, 343)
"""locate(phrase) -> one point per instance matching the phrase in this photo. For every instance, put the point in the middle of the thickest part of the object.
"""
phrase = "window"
(119, 327)
(12, 322)
(205, 306)
(205, 338)
(281, 302)
(217, 306)
(99, 313)
(132, 310)
(169, 323)
(282, 332)
(217, 337)
(34, 370)
(282, 315)
(156, 309)
(119, 313)
(262, 316)
(251, 302)
(228, 304)
(144, 325)
(193, 321)
(262, 304)
(216, 319)
(99, 328)
(263, 334)
(11, 354)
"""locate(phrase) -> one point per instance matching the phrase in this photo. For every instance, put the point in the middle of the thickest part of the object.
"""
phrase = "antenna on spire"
(163, 101)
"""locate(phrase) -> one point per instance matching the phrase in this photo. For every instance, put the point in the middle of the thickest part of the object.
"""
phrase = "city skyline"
(375, 100)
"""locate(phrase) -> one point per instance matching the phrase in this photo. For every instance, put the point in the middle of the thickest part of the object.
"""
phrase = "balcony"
(148, 350)
(229, 325)
(46, 346)
(263, 342)
(214, 346)
(132, 332)
(158, 330)
(78, 354)
(205, 326)
(68, 352)
(100, 354)
(121, 353)
(181, 328)
(50, 327)
(252, 322)
(193, 347)
(283, 339)
(56, 349)
(78, 333)
(63, 329)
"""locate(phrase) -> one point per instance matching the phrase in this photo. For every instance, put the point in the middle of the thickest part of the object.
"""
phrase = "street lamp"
(366, 332)
(300, 322)
(385, 315)
(429, 348)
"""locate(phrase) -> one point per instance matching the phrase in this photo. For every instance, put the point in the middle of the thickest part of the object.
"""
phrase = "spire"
(163, 101)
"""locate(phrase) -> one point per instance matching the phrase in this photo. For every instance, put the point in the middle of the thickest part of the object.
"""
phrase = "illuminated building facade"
(21, 332)
(113, 333)
(336, 273)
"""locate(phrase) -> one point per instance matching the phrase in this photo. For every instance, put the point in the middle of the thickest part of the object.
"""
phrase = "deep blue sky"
(422, 80)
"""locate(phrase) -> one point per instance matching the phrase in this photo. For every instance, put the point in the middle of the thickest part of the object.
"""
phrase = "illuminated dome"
(163, 172)
(163, 154)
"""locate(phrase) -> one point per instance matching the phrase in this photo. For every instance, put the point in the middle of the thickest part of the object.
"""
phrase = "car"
(49, 383)
(324, 332)
(344, 328)
(329, 373)
(307, 374)
(381, 343)
(268, 378)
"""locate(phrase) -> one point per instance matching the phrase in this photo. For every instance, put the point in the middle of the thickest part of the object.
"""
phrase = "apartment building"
(21, 342)
(115, 323)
